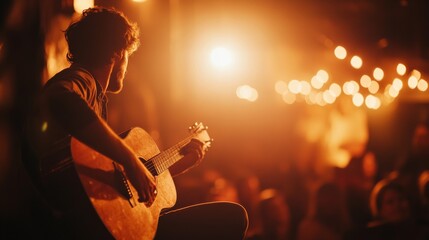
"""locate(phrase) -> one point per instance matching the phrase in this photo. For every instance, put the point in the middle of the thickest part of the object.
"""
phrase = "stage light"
(340, 52)
(247, 92)
(356, 62)
(323, 75)
(401, 69)
(221, 57)
(295, 86)
(288, 97)
(357, 99)
(412, 82)
(422, 85)
(305, 88)
(365, 81)
(316, 82)
(80, 5)
(335, 89)
(280, 87)
(372, 102)
(374, 87)
(378, 74)
(397, 84)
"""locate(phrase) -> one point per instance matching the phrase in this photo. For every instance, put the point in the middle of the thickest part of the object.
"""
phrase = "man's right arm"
(71, 111)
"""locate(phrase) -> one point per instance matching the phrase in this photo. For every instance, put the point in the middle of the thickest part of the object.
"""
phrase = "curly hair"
(100, 35)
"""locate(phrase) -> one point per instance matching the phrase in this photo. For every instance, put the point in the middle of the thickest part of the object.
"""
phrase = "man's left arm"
(193, 153)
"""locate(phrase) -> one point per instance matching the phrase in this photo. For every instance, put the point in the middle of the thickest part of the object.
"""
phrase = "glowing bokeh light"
(305, 88)
(340, 52)
(422, 85)
(280, 87)
(247, 92)
(288, 97)
(401, 69)
(295, 86)
(378, 74)
(221, 57)
(316, 82)
(350, 87)
(323, 75)
(335, 89)
(412, 82)
(374, 87)
(365, 81)
(392, 91)
(358, 99)
(397, 84)
(416, 74)
(80, 5)
(328, 97)
(372, 102)
(356, 62)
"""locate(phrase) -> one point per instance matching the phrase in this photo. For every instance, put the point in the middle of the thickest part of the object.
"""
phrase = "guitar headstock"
(199, 131)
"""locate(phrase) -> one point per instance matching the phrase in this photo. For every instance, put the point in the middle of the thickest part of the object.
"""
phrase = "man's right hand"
(142, 180)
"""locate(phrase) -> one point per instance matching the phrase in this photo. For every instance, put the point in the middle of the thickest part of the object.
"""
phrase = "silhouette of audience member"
(413, 166)
(329, 220)
(248, 189)
(424, 197)
(274, 215)
(360, 176)
(391, 215)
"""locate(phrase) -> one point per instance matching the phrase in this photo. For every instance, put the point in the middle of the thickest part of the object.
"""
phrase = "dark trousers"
(213, 220)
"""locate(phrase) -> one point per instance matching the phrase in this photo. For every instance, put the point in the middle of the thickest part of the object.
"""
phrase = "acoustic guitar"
(110, 192)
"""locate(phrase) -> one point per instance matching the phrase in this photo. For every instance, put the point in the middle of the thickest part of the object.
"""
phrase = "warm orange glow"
(422, 85)
(139, 0)
(44, 126)
(373, 87)
(397, 84)
(372, 102)
(412, 82)
(323, 75)
(335, 89)
(401, 69)
(221, 57)
(350, 87)
(247, 92)
(319, 99)
(316, 82)
(328, 97)
(280, 87)
(295, 86)
(392, 91)
(357, 99)
(340, 52)
(288, 97)
(341, 158)
(378, 74)
(356, 62)
(416, 74)
(365, 81)
(305, 88)
(80, 5)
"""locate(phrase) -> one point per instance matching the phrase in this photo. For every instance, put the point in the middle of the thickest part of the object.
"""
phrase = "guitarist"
(73, 104)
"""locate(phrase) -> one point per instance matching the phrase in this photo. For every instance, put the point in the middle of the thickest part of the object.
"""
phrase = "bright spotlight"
(221, 57)
(80, 5)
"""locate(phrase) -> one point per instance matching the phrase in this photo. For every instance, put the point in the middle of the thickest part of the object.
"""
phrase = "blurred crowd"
(358, 202)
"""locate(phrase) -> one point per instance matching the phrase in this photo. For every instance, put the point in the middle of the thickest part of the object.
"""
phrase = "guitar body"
(123, 216)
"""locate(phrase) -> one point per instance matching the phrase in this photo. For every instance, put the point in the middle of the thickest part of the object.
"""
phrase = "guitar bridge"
(122, 185)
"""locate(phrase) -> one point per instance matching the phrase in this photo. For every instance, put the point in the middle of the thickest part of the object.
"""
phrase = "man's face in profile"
(118, 74)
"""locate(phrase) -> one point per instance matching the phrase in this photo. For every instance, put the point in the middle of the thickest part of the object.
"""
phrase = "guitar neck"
(167, 158)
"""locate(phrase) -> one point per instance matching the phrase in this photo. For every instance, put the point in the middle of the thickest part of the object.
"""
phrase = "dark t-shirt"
(68, 102)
